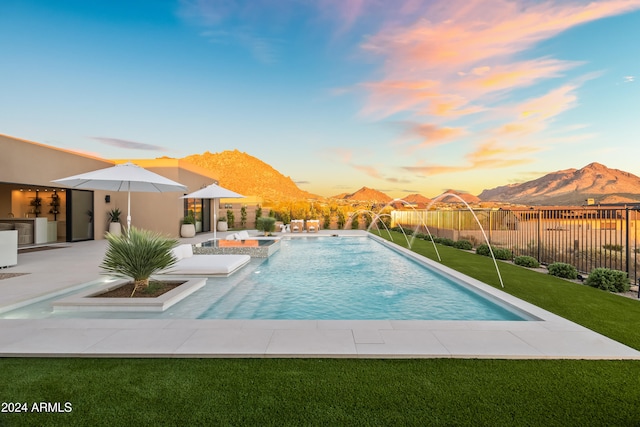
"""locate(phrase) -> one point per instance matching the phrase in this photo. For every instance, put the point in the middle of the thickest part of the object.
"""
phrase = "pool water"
(344, 278)
(352, 278)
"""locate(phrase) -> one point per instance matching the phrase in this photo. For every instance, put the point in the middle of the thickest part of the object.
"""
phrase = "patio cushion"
(209, 265)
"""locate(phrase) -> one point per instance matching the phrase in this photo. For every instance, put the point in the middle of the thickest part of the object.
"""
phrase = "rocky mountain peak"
(250, 176)
(570, 187)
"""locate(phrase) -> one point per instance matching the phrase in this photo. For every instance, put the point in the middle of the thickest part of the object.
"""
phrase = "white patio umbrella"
(214, 192)
(124, 177)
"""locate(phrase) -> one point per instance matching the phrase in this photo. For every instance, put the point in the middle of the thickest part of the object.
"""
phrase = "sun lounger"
(297, 225)
(204, 265)
(313, 225)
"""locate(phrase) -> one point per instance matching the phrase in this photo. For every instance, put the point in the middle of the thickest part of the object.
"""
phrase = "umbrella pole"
(215, 220)
(128, 209)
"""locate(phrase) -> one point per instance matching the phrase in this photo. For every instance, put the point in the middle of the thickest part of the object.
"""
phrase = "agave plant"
(137, 255)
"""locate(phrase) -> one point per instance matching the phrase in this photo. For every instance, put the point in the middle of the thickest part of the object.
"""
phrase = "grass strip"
(323, 392)
(608, 314)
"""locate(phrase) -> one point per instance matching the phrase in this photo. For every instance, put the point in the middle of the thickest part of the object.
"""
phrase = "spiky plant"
(137, 255)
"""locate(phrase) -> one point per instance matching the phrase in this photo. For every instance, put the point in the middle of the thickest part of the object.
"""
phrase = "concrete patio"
(72, 264)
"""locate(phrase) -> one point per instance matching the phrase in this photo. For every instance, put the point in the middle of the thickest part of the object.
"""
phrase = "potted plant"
(138, 255)
(188, 228)
(114, 221)
(230, 219)
(36, 203)
(222, 224)
(266, 224)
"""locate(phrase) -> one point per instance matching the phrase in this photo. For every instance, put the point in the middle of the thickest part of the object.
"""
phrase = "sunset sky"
(405, 96)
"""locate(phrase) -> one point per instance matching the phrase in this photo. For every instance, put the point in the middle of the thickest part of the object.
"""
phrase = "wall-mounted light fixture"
(107, 198)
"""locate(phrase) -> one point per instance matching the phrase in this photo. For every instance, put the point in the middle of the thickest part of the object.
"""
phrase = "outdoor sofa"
(204, 265)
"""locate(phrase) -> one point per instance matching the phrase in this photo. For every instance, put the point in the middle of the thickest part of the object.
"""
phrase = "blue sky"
(406, 96)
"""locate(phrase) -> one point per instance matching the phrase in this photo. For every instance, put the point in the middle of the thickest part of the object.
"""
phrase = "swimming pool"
(354, 278)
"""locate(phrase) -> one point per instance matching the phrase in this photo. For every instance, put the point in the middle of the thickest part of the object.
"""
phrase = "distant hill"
(571, 187)
(467, 197)
(416, 199)
(250, 176)
(365, 194)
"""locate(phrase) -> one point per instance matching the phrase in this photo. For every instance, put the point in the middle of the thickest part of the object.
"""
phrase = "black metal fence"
(585, 237)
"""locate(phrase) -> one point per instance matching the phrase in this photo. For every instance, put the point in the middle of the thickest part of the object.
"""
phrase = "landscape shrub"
(230, 218)
(526, 261)
(499, 253)
(608, 280)
(483, 249)
(355, 222)
(266, 224)
(327, 221)
(243, 217)
(341, 221)
(564, 270)
(617, 248)
(445, 241)
(471, 238)
(419, 235)
(463, 244)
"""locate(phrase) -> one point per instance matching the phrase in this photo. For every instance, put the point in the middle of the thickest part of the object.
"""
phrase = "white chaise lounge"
(204, 265)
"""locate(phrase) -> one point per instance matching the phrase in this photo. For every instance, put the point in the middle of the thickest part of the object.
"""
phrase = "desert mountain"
(469, 198)
(365, 194)
(571, 187)
(249, 176)
(416, 199)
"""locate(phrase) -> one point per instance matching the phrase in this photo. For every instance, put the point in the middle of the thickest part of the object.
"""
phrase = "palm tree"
(137, 255)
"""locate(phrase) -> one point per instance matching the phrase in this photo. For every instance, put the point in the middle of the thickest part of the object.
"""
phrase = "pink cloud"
(369, 170)
(464, 57)
(488, 155)
(432, 134)
(534, 115)
(464, 50)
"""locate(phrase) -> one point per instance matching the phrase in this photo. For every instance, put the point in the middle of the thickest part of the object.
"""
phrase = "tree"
(341, 220)
(230, 218)
(243, 217)
(137, 255)
(258, 213)
(266, 224)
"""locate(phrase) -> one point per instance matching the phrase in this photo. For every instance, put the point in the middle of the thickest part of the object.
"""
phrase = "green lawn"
(324, 392)
(612, 315)
(141, 392)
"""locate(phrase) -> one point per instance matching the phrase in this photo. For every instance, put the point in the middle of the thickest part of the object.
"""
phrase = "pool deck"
(55, 270)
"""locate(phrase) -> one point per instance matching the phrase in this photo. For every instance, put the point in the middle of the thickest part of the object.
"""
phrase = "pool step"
(223, 299)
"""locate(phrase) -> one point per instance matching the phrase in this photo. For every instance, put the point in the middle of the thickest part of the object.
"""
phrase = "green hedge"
(608, 280)
(499, 253)
(443, 241)
(463, 244)
(564, 270)
(526, 261)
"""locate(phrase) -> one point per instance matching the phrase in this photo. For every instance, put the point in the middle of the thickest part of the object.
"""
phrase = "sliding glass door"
(80, 222)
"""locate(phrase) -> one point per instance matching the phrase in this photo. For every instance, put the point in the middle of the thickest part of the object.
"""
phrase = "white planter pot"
(222, 226)
(115, 228)
(187, 230)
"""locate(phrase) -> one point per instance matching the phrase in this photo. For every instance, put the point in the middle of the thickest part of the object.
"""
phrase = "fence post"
(490, 226)
(627, 243)
(539, 234)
